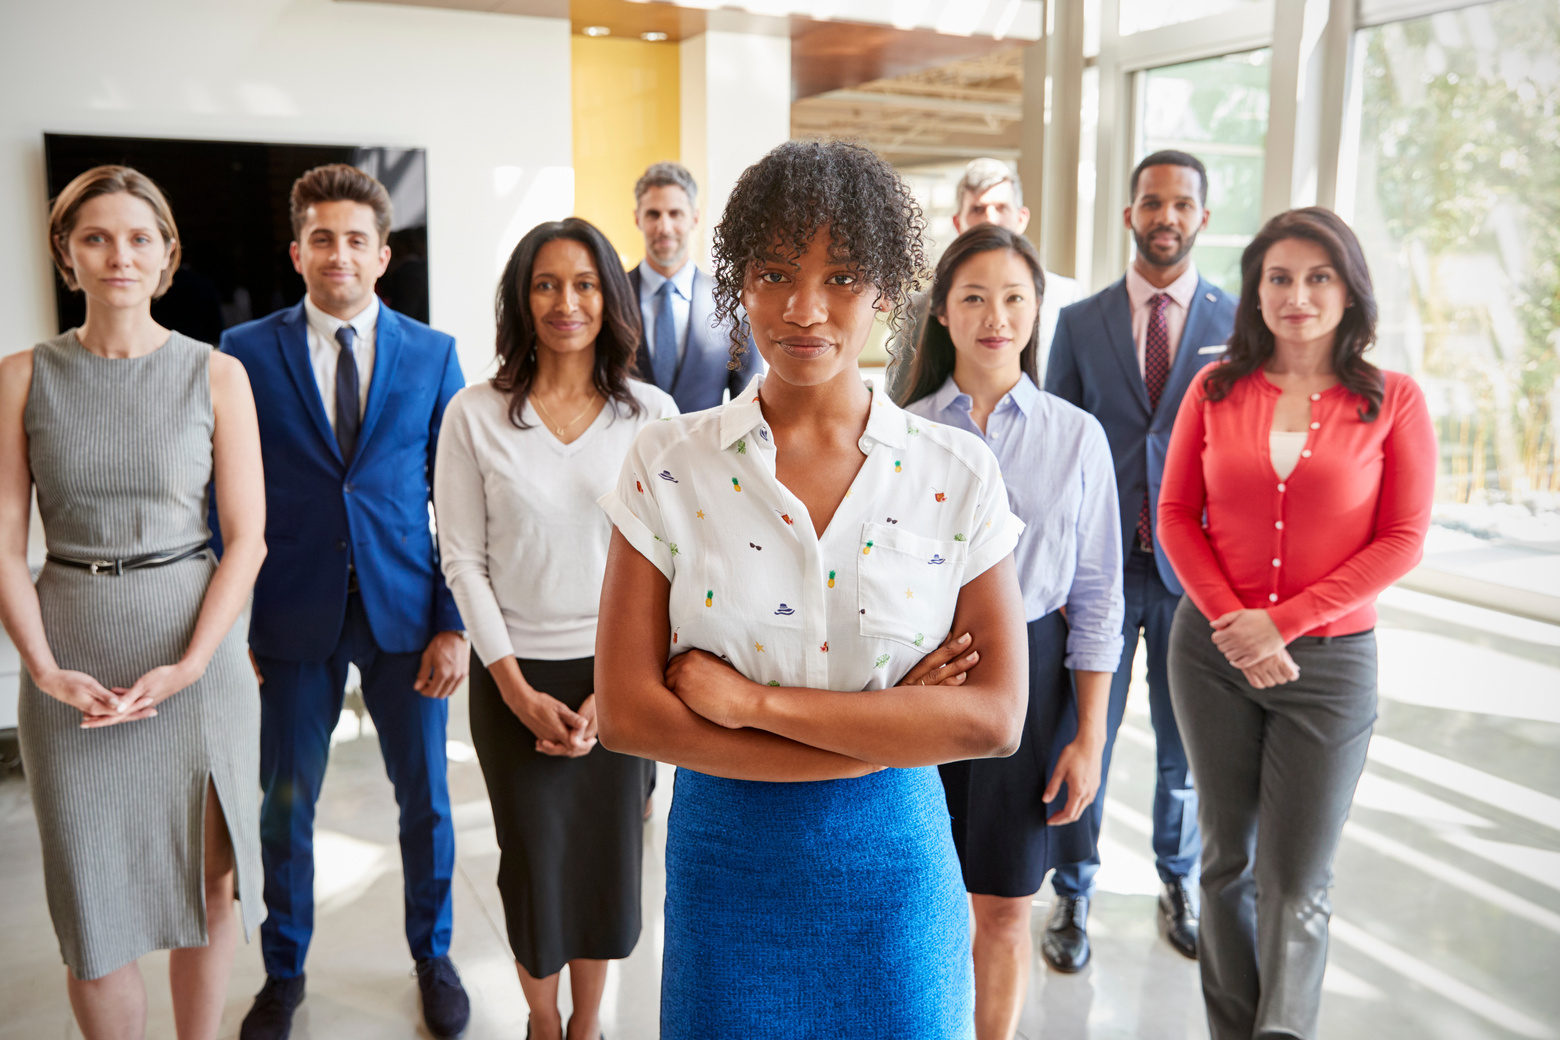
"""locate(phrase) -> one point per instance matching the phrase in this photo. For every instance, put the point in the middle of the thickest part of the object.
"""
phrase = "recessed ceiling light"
(652, 37)
(597, 30)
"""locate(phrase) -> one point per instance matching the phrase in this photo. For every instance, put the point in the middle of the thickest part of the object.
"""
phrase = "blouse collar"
(742, 417)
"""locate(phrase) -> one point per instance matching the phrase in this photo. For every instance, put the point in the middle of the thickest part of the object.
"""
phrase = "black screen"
(230, 201)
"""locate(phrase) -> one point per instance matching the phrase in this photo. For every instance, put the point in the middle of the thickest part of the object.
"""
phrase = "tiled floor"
(1447, 907)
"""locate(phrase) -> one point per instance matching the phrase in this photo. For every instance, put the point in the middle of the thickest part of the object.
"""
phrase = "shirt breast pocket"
(908, 585)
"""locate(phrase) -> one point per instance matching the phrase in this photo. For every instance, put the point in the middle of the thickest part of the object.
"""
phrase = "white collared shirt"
(1140, 291)
(752, 583)
(650, 281)
(324, 350)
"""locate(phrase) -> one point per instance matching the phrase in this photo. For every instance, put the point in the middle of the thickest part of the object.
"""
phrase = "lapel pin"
(1210, 297)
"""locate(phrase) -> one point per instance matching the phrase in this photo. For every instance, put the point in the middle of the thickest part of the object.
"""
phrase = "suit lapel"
(644, 370)
(1116, 313)
(700, 311)
(1187, 360)
(387, 353)
(293, 338)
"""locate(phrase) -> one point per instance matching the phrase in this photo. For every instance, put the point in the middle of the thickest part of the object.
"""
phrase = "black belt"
(129, 563)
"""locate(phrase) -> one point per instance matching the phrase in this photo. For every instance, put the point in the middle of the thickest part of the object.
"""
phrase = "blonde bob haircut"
(109, 180)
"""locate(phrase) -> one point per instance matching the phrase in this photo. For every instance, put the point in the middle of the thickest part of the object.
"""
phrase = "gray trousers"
(1275, 771)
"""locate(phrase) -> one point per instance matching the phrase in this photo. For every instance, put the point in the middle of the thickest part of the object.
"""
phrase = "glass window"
(1457, 203)
(1216, 109)
(1140, 15)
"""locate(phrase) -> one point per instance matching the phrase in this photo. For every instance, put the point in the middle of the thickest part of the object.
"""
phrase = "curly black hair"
(781, 201)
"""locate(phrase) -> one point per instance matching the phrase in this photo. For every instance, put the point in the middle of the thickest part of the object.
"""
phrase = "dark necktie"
(663, 355)
(347, 418)
(1156, 369)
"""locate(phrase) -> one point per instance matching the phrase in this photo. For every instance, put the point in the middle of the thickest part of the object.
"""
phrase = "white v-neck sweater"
(522, 543)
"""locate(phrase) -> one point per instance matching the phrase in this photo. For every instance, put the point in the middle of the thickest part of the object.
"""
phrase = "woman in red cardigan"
(1314, 471)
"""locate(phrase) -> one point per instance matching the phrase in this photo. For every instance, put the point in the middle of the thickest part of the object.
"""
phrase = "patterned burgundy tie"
(1156, 369)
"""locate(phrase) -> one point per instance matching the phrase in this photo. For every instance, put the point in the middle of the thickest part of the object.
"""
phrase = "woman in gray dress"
(139, 714)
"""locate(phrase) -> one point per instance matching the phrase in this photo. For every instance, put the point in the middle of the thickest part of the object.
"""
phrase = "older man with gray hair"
(991, 193)
(681, 350)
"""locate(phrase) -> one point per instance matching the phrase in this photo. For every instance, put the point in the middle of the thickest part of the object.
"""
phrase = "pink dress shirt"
(1139, 292)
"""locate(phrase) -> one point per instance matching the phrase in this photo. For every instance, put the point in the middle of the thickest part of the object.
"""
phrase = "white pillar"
(1309, 94)
(736, 106)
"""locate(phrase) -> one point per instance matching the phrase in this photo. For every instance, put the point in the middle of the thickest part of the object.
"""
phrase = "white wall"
(487, 95)
(736, 106)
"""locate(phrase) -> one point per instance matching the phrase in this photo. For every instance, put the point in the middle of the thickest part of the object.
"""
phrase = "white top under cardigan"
(753, 583)
(523, 545)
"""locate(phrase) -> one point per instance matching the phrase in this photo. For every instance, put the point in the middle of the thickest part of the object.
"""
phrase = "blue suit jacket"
(316, 507)
(1094, 365)
(701, 371)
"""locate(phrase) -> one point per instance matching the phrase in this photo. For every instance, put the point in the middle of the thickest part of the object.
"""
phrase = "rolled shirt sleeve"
(1096, 605)
(632, 506)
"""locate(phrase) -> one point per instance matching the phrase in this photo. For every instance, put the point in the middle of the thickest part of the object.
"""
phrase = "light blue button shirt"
(682, 302)
(1062, 484)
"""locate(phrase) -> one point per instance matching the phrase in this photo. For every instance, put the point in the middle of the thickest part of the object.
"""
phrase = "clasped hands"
(560, 731)
(1251, 642)
(712, 688)
(102, 706)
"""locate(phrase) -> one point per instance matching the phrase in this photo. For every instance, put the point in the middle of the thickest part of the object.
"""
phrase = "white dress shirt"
(1060, 291)
(522, 544)
(1140, 292)
(324, 350)
(753, 583)
(682, 302)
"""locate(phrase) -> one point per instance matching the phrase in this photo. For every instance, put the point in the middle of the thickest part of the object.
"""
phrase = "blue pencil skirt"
(806, 910)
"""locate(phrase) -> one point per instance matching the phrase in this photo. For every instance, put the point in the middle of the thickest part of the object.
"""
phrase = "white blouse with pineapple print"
(853, 610)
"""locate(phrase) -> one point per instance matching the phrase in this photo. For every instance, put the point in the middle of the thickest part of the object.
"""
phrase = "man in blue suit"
(1127, 355)
(681, 351)
(350, 396)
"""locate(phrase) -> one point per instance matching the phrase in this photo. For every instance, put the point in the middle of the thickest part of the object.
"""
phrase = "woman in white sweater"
(521, 462)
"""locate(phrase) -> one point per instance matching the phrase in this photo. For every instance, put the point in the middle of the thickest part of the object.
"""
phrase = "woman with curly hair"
(521, 461)
(1297, 486)
(797, 552)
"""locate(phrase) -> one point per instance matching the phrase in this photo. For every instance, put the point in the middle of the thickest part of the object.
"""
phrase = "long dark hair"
(932, 357)
(616, 344)
(780, 202)
(1251, 344)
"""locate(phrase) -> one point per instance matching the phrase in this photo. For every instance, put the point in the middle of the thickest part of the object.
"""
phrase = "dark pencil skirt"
(570, 830)
(999, 819)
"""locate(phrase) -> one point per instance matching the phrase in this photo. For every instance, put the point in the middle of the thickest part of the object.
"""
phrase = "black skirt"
(998, 817)
(570, 830)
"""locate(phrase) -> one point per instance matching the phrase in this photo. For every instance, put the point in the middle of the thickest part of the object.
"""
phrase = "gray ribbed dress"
(121, 456)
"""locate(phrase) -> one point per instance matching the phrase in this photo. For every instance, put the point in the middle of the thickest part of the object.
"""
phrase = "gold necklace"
(547, 416)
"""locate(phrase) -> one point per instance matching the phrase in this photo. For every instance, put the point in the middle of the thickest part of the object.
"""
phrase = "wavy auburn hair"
(616, 344)
(1251, 344)
(932, 358)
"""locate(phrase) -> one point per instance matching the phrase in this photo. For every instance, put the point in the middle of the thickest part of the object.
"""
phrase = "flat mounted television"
(230, 201)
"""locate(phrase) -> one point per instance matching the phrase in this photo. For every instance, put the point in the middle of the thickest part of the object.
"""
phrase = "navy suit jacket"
(701, 371)
(1094, 366)
(316, 508)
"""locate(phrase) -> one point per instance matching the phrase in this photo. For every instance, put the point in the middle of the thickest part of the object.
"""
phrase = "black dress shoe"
(1178, 918)
(446, 1009)
(271, 1016)
(1065, 946)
